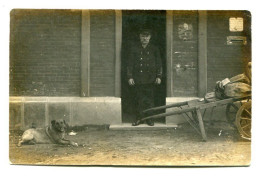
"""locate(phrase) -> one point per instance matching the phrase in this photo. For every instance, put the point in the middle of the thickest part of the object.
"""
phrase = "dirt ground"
(170, 147)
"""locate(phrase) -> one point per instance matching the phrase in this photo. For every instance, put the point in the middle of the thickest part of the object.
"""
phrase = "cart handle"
(166, 106)
(170, 113)
(206, 105)
(190, 109)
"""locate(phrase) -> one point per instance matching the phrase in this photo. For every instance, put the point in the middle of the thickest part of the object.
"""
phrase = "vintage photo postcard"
(130, 87)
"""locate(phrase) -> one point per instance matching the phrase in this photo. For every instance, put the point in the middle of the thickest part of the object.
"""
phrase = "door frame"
(161, 95)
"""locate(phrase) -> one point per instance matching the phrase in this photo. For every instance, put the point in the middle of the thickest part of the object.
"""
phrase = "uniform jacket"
(144, 64)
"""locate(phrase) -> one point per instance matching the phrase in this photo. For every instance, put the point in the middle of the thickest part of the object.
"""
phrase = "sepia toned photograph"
(130, 87)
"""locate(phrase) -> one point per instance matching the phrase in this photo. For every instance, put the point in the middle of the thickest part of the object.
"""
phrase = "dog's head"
(59, 125)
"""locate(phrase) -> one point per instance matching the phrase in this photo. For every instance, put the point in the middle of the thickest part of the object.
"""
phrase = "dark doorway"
(132, 21)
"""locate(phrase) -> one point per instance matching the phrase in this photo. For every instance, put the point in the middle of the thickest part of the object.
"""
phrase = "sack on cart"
(235, 87)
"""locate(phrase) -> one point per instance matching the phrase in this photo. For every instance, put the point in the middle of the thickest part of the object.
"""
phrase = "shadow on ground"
(180, 146)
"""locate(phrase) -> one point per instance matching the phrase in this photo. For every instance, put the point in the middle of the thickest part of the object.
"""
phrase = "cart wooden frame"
(194, 111)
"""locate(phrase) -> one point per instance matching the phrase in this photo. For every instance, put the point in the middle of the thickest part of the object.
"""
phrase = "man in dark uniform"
(144, 71)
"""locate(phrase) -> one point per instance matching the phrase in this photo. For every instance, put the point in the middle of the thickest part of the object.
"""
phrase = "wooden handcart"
(238, 110)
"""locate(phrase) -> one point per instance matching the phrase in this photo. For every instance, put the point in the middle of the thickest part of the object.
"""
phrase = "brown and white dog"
(55, 133)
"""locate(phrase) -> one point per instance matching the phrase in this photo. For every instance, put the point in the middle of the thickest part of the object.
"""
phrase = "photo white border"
(7, 5)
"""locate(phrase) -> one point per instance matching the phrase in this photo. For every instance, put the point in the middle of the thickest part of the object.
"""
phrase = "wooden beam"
(202, 54)
(118, 39)
(169, 33)
(85, 53)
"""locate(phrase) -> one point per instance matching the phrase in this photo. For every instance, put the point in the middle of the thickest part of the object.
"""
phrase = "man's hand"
(131, 82)
(158, 81)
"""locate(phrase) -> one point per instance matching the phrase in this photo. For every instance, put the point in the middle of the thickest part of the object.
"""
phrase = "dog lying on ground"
(55, 133)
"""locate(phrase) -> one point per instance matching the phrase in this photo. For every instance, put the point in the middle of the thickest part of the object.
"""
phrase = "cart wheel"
(231, 111)
(243, 120)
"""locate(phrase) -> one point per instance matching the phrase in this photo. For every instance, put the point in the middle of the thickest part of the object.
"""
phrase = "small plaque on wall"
(236, 24)
(236, 40)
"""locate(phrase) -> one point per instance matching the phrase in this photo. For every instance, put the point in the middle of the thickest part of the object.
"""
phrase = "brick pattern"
(185, 52)
(45, 53)
(102, 53)
(226, 60)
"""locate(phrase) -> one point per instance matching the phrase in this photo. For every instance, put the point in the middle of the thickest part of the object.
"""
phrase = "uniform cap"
(145, 31)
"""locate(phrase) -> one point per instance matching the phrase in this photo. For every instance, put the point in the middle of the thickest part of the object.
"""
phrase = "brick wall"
(185, 54)
(102, 53)
(226, 60)
(45, 53)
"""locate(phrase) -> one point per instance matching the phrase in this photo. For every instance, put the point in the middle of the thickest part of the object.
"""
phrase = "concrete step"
(128, 126)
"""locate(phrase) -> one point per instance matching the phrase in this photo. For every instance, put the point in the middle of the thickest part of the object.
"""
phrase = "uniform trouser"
(144, 96)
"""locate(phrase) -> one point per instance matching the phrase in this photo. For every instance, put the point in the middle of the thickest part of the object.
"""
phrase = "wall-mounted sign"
(185, 31)
(236, 24)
